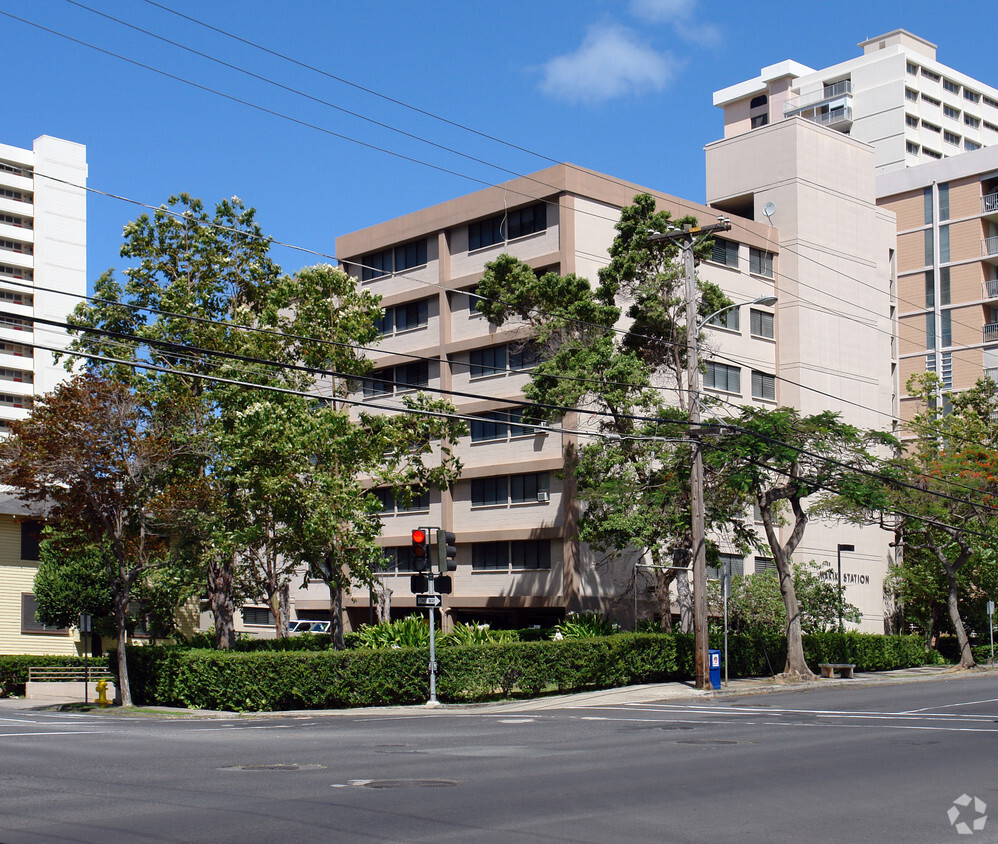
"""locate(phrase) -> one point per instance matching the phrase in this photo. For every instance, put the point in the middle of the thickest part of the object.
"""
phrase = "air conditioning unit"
(543, 495)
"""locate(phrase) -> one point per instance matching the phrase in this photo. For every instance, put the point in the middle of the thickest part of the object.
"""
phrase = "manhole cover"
(706, 741)
(408, 783)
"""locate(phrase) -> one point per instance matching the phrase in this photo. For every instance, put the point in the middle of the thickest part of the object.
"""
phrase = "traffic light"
(446, 551)
(420, 550)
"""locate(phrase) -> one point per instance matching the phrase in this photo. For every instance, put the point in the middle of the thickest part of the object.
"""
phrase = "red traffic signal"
(420, 550)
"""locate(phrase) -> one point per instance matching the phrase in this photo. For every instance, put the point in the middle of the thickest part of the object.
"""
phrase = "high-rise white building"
(43, 250)
(896, 97)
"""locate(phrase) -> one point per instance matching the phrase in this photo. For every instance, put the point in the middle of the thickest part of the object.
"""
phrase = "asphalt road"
(849, 764)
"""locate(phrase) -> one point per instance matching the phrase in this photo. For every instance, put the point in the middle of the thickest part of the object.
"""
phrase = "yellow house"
(20, 631)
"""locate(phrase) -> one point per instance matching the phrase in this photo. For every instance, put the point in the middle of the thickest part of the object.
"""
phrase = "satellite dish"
(769, 209)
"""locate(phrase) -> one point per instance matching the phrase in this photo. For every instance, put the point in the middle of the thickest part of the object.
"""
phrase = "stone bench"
(844, 669)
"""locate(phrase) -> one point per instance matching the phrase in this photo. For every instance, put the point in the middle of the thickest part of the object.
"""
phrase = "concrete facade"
(896, 96)
(43, 220)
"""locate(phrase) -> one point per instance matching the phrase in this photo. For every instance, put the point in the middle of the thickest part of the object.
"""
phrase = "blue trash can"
(714, 661)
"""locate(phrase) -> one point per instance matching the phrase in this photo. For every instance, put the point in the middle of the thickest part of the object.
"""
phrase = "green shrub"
(409, 632)
(586, 625)
(477, 634)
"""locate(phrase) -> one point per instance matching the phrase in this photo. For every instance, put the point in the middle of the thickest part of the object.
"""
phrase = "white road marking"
(56, 733)
(947, 705)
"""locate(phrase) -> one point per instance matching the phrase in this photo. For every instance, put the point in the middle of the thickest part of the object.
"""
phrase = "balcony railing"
(991, 332)
(989, 204)
(829, 92)
(991, 372)
(990, 246)
(991, 288)
(831, 118)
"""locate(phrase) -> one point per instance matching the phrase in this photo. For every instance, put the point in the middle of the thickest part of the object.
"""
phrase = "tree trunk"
(384, 602)
(221, 593)
(336, 613)
(796, 664)
(124, 695)
(952, 603)
(685, 602)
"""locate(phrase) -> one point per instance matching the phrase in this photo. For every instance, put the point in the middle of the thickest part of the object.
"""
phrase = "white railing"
(989, 204)
(991, 332)
(829, 92)
(990, 246)
(991, 288)
(839, 115)
(991, 372)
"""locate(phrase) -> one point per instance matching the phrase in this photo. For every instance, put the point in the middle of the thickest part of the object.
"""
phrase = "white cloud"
(681, 15)
(611, 62)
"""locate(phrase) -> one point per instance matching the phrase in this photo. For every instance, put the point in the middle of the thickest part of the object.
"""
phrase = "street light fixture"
(839, 550)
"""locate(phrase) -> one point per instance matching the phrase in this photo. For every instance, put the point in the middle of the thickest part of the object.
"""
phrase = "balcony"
(989, 247)
(991, 288)
(816, 98)
(991, 332)
(989, 204)
(991, 372)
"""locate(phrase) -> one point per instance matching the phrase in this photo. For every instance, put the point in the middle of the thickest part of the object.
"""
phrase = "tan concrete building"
(947, 220)
(519, 558)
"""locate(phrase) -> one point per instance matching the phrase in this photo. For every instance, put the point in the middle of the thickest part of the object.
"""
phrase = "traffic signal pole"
(433, 649)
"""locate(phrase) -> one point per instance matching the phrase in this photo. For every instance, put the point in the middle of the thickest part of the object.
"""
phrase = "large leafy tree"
(101, 460)
(633, 479)
(788, 462)
(948, 503)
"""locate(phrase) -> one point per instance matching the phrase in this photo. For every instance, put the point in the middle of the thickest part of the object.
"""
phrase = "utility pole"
(688, 238)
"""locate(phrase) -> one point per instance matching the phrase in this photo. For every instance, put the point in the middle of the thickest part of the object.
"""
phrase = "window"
(720, 376)
(404, 317)
(763, 385)
(944, 201)
(764, 564)
(972, 96)
(761, 263)
(944, 288)
(16, 298)
(498, 425)
(7, 400)
(930, 289)
(953, 113)
(397, 379)
(951, 138)
(497, 360)
(17, 272)
(951, 86)
(927, 208)
(931, 127)
(930, 100)
(762, 324)
(759, 120)
(16, 195)
(759, 101)
(990, 126)
(419, 501)
(510, 489)
(946, 326)
(928, 74)
(931, 153)
(518, 223)
(734, 564)
(29, 621)
(911, 121)
(911, 95)
(725, 252)
(911, 149)
(31, 532)
(970, 146)
(943, 244)
(990, 102)
(529, 554)
(17, 246)
(971, 121)
(398, 559)
(17, 375)
(912, 68)
(728, 319)
(17, 350)
(395, 260)
(929, 248)
(930, 330)
(19, 222)
(261, 616)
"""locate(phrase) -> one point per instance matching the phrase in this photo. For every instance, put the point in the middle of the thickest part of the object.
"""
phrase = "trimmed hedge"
(276, 680)
(14, 668)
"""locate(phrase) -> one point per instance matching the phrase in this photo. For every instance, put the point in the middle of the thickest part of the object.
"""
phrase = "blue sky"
(620, 86)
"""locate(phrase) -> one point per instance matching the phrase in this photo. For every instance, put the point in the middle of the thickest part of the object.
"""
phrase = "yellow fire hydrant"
(102, 700)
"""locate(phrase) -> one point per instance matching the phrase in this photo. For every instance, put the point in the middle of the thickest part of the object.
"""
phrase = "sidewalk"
(626, 694)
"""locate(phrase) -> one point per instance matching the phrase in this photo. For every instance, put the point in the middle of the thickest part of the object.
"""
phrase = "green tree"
(101, 460)
(633, 478)
(756, 603)
(72, 579)
(947, 503)
(781, 459)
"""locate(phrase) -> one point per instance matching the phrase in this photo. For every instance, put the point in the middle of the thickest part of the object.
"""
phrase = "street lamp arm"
(767, 301)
